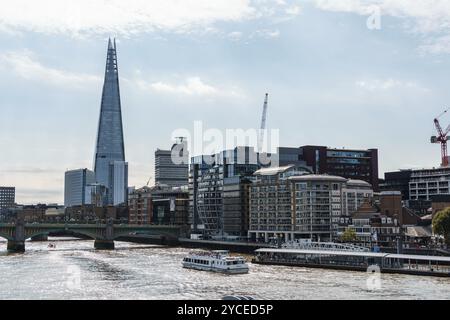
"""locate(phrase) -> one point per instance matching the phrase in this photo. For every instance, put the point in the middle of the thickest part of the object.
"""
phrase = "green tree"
(349, 235)
(441, 224)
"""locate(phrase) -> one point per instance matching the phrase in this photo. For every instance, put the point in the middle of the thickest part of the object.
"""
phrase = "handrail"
(331, 246)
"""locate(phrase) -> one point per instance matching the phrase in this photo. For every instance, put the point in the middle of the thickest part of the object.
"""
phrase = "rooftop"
(272, 170)
(318, 177)
(360, 183)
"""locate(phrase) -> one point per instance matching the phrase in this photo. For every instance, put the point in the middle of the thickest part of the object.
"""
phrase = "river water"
(73, 270)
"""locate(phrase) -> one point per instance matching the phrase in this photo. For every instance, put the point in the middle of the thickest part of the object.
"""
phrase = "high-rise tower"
(110, 151)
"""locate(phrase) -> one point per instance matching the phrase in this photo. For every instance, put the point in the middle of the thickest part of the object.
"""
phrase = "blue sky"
(332, 80)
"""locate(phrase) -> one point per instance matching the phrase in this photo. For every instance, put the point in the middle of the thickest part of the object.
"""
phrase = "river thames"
(74, 270)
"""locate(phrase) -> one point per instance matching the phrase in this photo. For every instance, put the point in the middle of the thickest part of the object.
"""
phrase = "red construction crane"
(442, 139)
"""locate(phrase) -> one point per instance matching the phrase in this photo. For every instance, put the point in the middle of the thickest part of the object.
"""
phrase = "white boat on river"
(217, 261)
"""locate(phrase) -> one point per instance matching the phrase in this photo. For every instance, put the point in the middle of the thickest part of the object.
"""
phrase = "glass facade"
(110, 142)
(75, 183)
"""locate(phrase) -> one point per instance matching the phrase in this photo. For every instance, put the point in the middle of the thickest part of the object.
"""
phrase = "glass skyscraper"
(75, 184)
(110, 149)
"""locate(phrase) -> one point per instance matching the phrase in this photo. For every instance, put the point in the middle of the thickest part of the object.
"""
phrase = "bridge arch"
(91, 235)
(169, 235)
(5, 236)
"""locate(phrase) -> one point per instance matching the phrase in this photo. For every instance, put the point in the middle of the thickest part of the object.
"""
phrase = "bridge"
(103, 234)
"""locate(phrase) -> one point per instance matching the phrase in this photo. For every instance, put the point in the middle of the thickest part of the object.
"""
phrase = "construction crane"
(263, 124)
(441, 138)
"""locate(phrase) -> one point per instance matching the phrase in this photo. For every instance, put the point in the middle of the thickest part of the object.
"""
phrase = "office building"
(235, 199)
(397, 181)
(7, 197)
(75, 183)
(96, 195)
(110, 152)
(291, 156)
(172, 166)
(171, 206)
(159, 205)
(118, 183)
(207, 191)
(347, 163)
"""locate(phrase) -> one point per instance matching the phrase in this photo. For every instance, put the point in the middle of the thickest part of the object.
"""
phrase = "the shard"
(110, 151)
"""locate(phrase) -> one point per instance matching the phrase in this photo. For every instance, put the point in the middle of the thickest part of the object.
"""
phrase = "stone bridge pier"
(107, 241)
(17, 243)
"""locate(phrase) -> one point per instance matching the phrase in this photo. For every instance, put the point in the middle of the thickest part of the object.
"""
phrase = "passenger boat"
(217, 261)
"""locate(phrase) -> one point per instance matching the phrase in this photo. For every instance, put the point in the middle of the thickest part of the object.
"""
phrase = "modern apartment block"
(356, 192)
(426, 183)
(347, 163)
(75, 183)
(7, 197)
(289, 203)
(170, 171)
(270, 209)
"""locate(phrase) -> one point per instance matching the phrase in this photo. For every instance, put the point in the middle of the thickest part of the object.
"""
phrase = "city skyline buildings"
(371, 87)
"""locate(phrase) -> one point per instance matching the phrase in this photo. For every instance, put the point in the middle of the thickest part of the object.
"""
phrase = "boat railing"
(330, 246)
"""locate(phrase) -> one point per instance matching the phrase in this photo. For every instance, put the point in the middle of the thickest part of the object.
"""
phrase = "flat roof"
(357, 254)
(318, 177)
(418, 257)
(272, 170)
(325, 252)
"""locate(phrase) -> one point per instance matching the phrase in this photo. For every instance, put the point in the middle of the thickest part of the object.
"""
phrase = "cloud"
(430, 15)
(25, 65)
(440, 45)
(266, 33)
(430, 18)
(30, 170)
(86, 17)
(293, 10)
(388, 84)
(235, 35)
(191, 86)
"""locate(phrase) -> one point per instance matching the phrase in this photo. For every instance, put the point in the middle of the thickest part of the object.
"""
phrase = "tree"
(349, 235)
(441, 224)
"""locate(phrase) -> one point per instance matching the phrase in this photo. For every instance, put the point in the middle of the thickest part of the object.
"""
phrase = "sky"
(339, 73)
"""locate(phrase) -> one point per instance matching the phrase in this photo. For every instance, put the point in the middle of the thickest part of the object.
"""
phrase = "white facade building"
(287, 204)
(425, 183)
